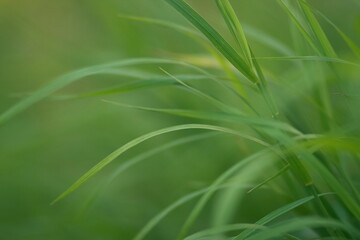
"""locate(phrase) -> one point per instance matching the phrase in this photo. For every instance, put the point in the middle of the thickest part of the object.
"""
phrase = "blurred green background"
(46, 148)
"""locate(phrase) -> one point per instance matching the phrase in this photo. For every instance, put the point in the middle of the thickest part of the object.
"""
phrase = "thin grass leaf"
(267, 40)
(309, 58)
(217, 116)
(214, 37)
(349, 201)
(66, 79)
(262, 86)
(100, 191)
(188, 31)
(353, 46)
(278, 213)
(251, 31)
(281, 229)
(219, 104)
(187, 198)
(222, 229)
(199, 38)
(220, 180)
(71, 77)
(228, 202)
(236, 29)
(350, 144)
(266, 181)
(316, 28)
(143, 156)
(107, 160)
(159, 81)
(290, 11)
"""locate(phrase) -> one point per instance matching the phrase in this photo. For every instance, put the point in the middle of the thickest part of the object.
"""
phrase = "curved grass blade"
(188, 31)
(276, 232)
(353, 46)
(317, 30)
(160, 216)
(71, 77)
(199, 38)
(335, 142)
(185, 140)
(266, 181)
(140, 158)
(219, 104)
(267, 40)
(290, 11)
(226, 205)
(217, 116)
(159, 81)
(223, 229)
(262, 86)
(277, 213)
(251, 31)
(334, 184)
(236, 29)
(309, 58)
(214, 37)
(220, 180)
(104, 162)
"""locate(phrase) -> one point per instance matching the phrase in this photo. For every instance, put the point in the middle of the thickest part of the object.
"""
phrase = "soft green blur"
(46, 148)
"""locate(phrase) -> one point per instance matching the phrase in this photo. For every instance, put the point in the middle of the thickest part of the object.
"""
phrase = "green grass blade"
(107, 160)
(290, 11)
(278, 213)
(353, 46)
(216, 102)
(143, 156)
(187, 198)
(310, 58)
(220, 180)
(159, 81)
(276, 232)
(222, 229)
(266, 181)
(226, 205)
(267, 40)
(214, 37)
(164, 23)
(217, 116)
(196, 36)
(100, 191)
(349, 201)
(71, 77)
(262, 86)
(236, 29)
(316, 28)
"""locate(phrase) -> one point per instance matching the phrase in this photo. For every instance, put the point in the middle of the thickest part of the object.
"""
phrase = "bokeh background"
(46, 148)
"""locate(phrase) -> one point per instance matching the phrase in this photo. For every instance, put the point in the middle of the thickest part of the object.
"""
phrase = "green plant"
(312, 152)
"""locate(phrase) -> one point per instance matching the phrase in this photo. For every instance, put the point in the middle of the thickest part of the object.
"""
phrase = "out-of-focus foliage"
(49, 145)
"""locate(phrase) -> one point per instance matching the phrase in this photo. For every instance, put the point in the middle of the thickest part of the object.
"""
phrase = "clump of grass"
(305, 142)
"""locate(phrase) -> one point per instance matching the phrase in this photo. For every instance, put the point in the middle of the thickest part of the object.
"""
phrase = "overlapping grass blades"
(216, 39)
(298, 224)
(267, 153)
(183, 200)
(236, 29)
(251, 31)
(310, 58)
(213, 232)
(62, 81)
(152, 82)
(306, 168)
(263, 221)
(219, 116)
(107, 160)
